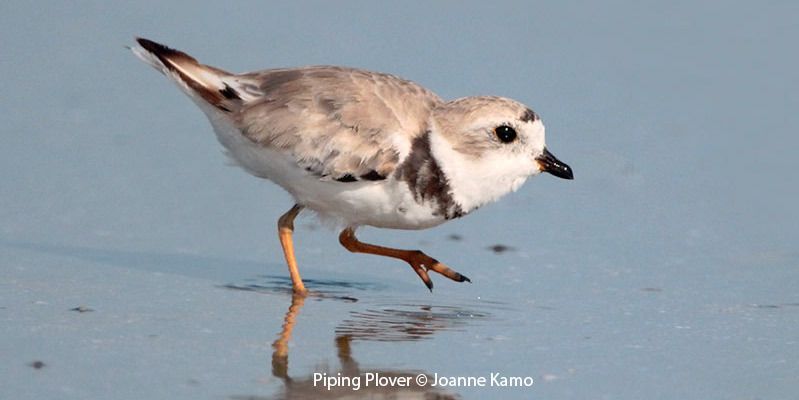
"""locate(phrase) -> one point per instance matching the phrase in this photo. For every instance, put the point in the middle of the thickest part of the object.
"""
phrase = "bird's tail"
(206, 85)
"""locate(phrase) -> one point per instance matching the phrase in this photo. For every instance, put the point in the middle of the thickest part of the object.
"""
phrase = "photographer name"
(495, 379)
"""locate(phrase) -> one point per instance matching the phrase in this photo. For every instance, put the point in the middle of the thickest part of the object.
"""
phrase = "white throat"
(476, 181)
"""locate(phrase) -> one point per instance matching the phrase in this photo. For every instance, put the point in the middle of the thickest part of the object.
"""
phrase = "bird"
(363, 148)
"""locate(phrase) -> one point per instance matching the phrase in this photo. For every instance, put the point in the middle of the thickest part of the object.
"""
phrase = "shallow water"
(135, 265)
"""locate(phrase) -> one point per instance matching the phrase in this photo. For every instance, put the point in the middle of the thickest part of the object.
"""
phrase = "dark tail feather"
(203, 80)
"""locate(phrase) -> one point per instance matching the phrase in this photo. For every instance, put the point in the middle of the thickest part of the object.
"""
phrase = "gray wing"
(339, 123)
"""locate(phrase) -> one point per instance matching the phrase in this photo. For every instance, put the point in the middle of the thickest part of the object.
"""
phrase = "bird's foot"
(421, 263)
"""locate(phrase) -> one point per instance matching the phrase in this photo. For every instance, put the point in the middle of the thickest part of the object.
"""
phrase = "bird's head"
(488, 146)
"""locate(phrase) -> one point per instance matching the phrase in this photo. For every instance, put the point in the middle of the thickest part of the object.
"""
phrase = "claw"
(425, 277)
(448, 272)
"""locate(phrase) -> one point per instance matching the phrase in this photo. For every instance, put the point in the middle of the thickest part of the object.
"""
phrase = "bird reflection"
(280, 355)
(382, 321)
(371, 325)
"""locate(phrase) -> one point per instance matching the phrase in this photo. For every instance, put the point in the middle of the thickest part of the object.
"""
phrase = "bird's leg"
(285, 228)
(420, 262)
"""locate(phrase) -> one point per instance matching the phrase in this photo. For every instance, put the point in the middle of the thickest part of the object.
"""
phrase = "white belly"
(385, 204)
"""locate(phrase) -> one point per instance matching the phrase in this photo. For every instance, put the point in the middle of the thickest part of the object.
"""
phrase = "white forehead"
(536, 134)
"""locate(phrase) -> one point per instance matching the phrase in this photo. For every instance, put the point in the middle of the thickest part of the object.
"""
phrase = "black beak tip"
(567, 173)
(549, 163)
(563, 171)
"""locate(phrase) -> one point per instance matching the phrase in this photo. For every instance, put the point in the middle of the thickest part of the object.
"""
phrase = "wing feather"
(339, 123)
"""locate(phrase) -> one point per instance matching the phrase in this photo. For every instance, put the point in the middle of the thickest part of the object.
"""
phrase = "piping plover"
(364, 148)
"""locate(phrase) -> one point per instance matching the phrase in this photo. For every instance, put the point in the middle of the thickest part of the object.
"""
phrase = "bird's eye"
(505, 134)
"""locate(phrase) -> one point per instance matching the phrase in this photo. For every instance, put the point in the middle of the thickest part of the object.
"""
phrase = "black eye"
(505, 134)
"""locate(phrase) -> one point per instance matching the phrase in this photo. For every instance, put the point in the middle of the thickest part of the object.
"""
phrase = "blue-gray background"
(667, 269)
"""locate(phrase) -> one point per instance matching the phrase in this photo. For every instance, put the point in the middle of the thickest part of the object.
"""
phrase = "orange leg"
(285, 228)
(420, 262)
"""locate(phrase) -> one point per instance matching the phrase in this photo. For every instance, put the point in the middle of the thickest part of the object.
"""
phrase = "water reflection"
(397, 323)
(319, 288)
(408, 322)
(280, 354)
(370, 316)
